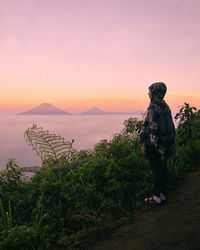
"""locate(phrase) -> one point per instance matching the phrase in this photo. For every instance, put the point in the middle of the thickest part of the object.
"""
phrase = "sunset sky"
(76, 54)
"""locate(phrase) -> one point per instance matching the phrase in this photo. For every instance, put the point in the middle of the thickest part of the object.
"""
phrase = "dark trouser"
(159, 171)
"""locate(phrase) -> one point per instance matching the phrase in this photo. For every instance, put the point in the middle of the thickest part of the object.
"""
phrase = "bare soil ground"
(173, 225)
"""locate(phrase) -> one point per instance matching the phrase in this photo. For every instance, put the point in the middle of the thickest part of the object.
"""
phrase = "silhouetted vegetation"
(70, 202)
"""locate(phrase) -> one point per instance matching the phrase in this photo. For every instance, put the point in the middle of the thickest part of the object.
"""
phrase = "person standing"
(157, 140)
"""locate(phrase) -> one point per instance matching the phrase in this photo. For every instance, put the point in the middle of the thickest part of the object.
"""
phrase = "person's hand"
(143, 149)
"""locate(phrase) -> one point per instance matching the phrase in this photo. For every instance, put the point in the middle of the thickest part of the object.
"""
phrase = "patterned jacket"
(158, 129)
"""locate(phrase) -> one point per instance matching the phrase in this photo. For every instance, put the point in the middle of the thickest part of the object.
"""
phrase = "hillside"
(174, 225)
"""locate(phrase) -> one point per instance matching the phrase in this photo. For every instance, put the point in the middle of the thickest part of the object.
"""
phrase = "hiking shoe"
(153, 200)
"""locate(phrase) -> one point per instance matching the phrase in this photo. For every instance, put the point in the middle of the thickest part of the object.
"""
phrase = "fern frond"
(47, 145)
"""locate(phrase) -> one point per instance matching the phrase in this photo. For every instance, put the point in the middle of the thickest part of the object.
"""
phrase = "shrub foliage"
(70, 202)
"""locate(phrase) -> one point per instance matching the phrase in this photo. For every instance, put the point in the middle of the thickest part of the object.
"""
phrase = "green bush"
(67, 203)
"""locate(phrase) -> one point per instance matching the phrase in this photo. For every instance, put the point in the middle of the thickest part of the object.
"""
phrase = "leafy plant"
(185, 114)
(20, 237)
(47, 145)
(67, 207)
(188, 124)
(133, 125)
(6, 216)
(12, 175)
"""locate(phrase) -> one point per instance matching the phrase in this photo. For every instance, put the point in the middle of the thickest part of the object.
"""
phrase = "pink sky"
(81, 53)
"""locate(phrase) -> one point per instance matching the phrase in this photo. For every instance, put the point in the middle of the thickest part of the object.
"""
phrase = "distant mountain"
(45, 109)
(93, 111)
(49, 109)
(97, 111)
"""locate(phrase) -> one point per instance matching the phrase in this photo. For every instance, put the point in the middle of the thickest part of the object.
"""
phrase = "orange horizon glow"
(108, 104)
(80, 54)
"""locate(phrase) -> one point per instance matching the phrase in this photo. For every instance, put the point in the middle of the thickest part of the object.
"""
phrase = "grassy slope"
(175, 225)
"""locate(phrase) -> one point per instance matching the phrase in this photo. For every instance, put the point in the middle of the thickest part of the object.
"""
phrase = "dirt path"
(174, 225)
